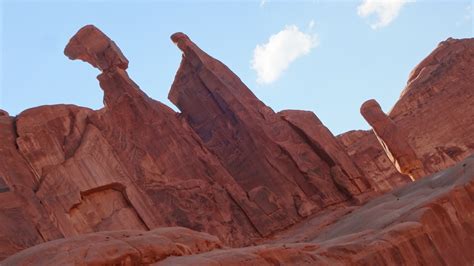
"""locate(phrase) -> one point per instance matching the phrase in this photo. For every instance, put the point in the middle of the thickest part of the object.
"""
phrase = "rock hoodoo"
(393, 140)
(91, 45)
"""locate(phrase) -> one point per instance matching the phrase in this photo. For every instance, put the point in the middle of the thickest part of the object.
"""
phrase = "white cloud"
(262, 2)
(272, 58)
(311, 24)
(385, 10)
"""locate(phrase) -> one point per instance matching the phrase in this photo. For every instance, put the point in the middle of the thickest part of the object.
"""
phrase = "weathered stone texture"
(115, 185)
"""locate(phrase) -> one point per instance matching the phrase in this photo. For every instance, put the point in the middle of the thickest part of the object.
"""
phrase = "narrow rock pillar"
(393, 140)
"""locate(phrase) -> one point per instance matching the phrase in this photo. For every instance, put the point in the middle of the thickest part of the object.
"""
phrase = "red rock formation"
(229, 166)
(434, 113)
(265, 154)
(310, 128)
(428, 222)
(94, 47)
(71, 170)
(125, 247)
(24, 222)
(87, 171)
(393, 140)
(435, 108)
(135, 152)
(366, 152)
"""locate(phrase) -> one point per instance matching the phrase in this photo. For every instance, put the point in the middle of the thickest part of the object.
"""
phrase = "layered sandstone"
(265, 154)
(124, 247)
(428, 222)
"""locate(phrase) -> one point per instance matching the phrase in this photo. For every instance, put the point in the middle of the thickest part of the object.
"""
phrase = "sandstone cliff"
(424, 223)
(433, 119)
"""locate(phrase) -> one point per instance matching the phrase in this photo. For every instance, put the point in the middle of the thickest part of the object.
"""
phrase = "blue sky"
(330, 56)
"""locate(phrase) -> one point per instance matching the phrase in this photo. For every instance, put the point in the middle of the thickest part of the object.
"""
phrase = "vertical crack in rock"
(38, 177)
(346, 175)
(319, 150)
(31, 222)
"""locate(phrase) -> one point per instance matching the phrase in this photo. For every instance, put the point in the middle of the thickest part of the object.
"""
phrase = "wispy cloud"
(385, 11)
(469, 11)
(467, 15)
(272, 58)
(262, 2)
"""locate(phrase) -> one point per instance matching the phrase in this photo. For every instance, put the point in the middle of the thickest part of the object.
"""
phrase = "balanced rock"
(93, 46)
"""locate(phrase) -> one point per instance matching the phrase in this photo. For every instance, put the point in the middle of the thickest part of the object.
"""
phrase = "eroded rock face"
(91, 45)
(227, 165)
(125, 247)
(259, 149)
(432, 225)
(428, 222)
(435, 109)
(366, 152)
(318, 136)
(111, 169)
(136, 152)
(434, 116)
(25, 222)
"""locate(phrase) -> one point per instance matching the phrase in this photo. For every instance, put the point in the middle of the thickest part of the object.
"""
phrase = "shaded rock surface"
(124, 247)
(435, 110)
(260, 150)
(366, 152)
(229, 166)
(429, 222)
(434, 114)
